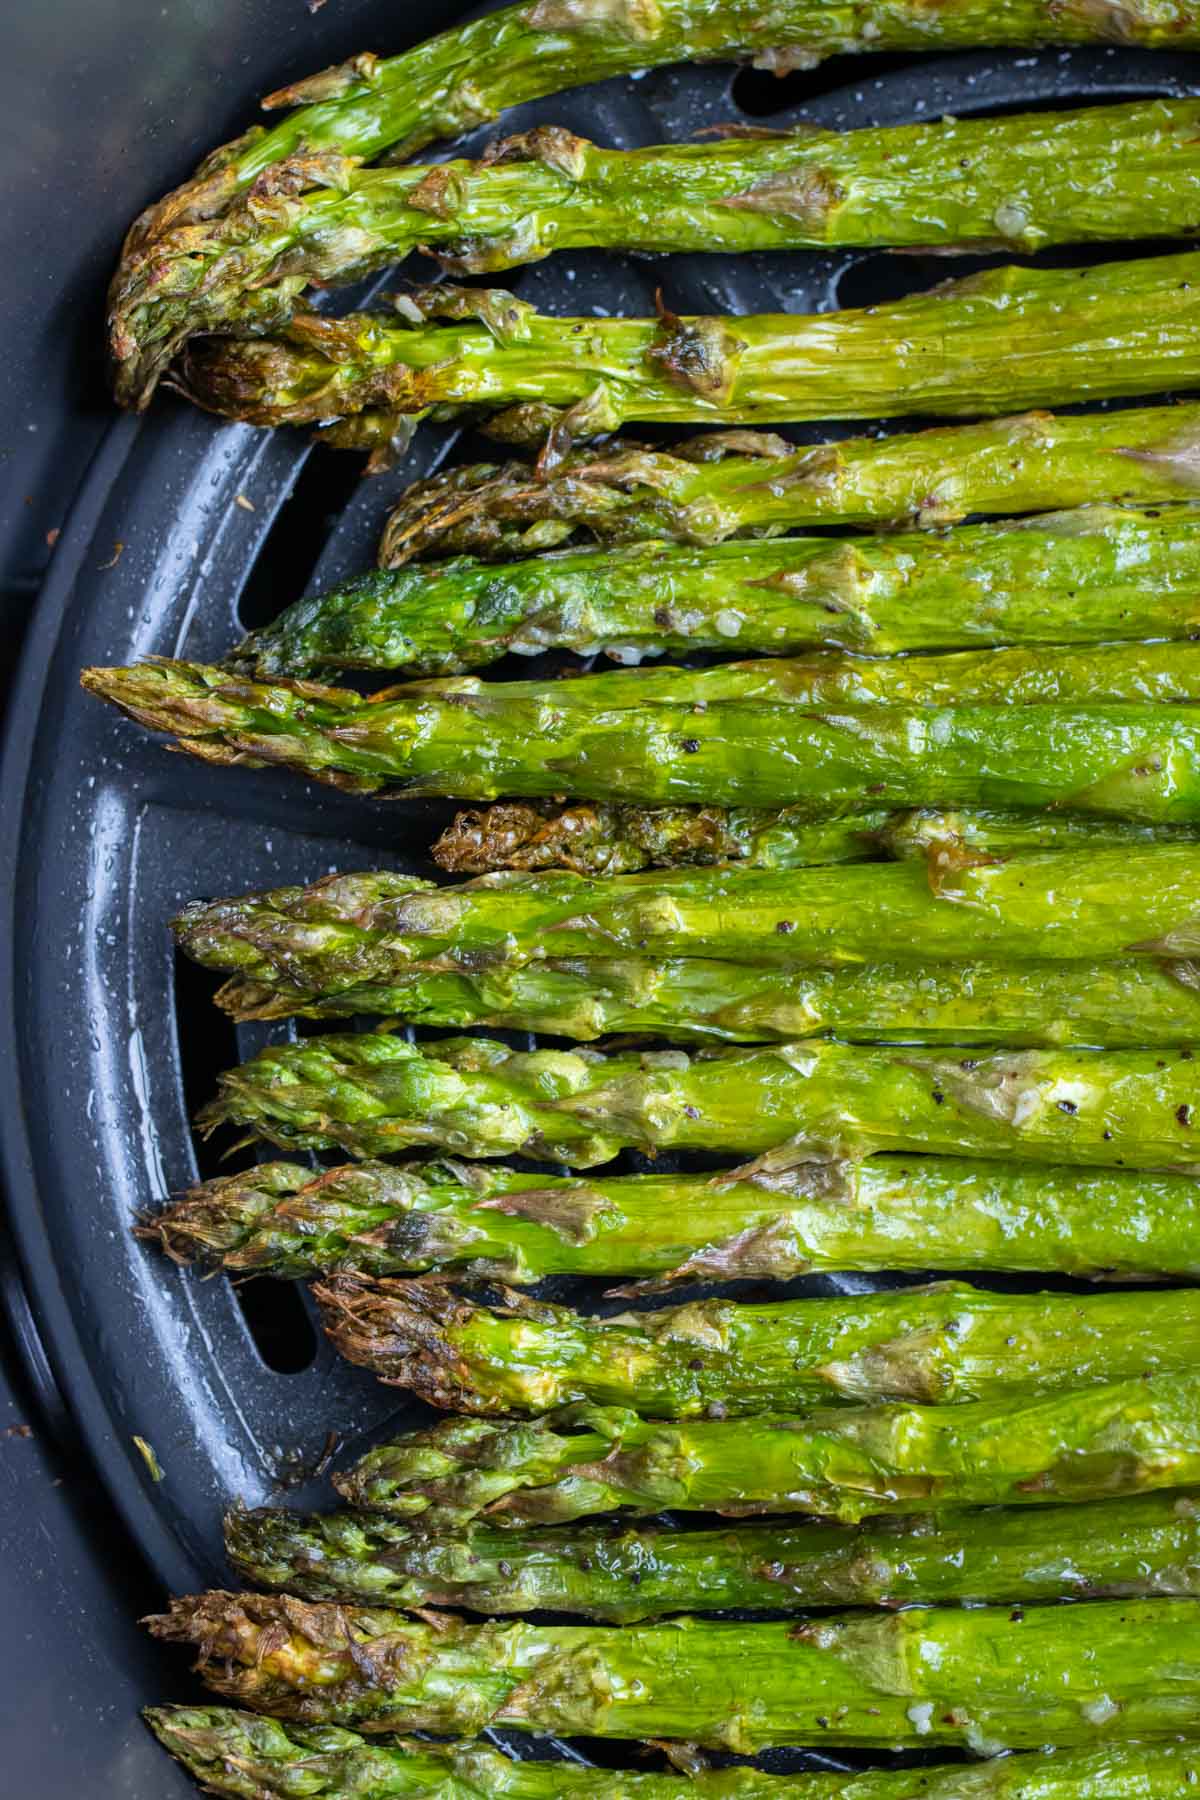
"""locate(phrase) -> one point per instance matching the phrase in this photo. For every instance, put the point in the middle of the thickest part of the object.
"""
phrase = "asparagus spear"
(1146, 1545)
(986, 1678)
(375, 1094)
(350, 932)
(621, 840)
(491, 1221)
(253, 1758)
(842, 1463)
(723, 1358)
(1083, 576)
(1001, 339)
(741, 483)
(1105, 172)
(478, 743)
(688, 999)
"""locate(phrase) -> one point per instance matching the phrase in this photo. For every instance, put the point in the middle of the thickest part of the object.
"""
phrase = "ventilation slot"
(207, 1045)
(277, 1320)
(298, 535)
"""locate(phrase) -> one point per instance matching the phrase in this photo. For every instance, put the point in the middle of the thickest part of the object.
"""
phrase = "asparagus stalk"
(376, 1094)
(253, 1758)
(726, 1359)
(1028, 1004)
(1005, 338)
(1083, 576)
(983, 1678)
(1022, 183)
(479, 743)
(347, 933)
(1146, 1545)
(490, 1221)
(743, 483)
(844, 1463)
(622, 840)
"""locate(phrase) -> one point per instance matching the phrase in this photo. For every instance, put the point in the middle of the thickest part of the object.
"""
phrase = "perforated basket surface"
(186, 533)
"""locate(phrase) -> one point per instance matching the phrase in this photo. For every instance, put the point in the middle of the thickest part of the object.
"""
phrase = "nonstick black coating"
(185, 532)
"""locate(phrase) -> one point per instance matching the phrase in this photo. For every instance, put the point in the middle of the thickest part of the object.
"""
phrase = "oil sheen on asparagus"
(604, 738)
(1146, 1545)
(988, 344)
(983, 1678)
(1082, 576)
(738, 483)
(729, 953)
(483, 1219)
(843, 1462)
(946, 1343)
(782, 1105)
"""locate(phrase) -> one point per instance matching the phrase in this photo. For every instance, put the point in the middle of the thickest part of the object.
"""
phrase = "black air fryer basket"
(184, 533)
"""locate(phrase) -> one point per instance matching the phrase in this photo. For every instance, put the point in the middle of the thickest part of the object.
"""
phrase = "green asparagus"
(621, 840)
(1146, 1545)
(1001, 339)
(882, 1213)
(783, 1105)
(480, 742)
(844, 1462)
(726, 1359)
(1098, 572)
(745, 483)
(1017, 183)
(378, 940)
(353, 113)
(989, 1678)
(252, 1758)
(1132, 1003)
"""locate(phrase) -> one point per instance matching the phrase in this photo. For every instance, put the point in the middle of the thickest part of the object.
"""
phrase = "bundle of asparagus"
(782, 1105)
(1107, 172)
(844, 1462)
(881, 1213)
(1005, 338)
(252, 1758)
(746, 483)
(260, 195)
(621, 840)
(1084, 576)
(605, 737)
(989, 1678)
(1146, 1545)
